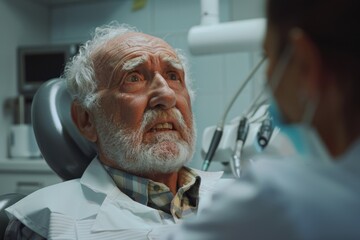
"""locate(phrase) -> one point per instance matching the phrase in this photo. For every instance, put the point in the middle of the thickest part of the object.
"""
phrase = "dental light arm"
(212, 37)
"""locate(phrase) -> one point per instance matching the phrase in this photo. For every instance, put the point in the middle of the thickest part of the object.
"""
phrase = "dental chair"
(65, 150)
(61, 144)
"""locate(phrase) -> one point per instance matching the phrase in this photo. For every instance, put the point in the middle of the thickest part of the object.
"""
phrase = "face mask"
(305, 140)
(303, 137)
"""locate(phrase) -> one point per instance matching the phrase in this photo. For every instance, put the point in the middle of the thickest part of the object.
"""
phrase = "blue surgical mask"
(290, 130)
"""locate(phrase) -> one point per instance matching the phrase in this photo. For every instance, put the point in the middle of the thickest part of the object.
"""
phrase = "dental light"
(212, 37)
(245, 35)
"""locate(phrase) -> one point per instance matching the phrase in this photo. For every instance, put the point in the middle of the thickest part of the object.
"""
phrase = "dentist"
(313, 72)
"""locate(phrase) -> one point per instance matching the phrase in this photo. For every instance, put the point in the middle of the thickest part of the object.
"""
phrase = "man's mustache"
(151, 115)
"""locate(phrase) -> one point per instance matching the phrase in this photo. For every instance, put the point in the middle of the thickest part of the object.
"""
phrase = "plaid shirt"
(144, 191)
(158, 195)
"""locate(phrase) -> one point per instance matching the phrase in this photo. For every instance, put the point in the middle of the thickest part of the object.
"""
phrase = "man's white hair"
(80, 70)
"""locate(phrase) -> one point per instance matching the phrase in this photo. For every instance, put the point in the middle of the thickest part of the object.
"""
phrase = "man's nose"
(162, 95)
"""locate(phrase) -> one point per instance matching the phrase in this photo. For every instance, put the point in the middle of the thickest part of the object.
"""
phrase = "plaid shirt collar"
(158, 195)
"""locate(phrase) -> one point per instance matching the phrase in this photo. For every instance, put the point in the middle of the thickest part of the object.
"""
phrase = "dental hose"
(220, 126)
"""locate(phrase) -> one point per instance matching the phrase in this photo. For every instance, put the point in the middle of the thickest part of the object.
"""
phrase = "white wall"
(245, 9)
(22, 22)
(216, 77)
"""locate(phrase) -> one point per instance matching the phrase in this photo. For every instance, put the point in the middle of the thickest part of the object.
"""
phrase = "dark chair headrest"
(65, 150)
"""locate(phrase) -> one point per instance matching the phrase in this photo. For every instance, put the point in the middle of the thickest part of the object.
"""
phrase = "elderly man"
(132, 99)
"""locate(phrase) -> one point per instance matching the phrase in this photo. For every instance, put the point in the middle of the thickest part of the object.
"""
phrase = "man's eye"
(173, 76)
(133, 77)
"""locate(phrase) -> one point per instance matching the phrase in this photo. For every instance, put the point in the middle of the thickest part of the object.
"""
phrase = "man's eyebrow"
(133, 63)
(172, 61)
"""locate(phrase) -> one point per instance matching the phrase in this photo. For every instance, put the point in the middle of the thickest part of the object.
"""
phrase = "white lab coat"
(285, 200)
(94, 208)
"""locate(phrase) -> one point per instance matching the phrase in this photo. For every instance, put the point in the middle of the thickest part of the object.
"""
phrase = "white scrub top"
(285, 200)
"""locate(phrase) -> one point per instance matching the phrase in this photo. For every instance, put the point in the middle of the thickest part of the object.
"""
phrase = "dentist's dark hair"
(333, 27)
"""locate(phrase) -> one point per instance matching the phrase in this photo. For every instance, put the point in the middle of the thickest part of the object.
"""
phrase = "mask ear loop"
(274, 81)
(279, 70)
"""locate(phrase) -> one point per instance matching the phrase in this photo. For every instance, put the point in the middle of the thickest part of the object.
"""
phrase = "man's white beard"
(165, 154)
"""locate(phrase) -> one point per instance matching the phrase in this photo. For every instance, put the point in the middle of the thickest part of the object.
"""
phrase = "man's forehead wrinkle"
(114, 55)
(135, 39)
(144, 42)
(167, 55)
(110, 57)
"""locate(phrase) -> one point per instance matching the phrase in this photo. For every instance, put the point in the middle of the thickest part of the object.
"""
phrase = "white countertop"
(24, 165)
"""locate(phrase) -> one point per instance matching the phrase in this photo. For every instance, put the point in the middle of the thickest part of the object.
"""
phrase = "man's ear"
(308, 58)
(84, 122)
